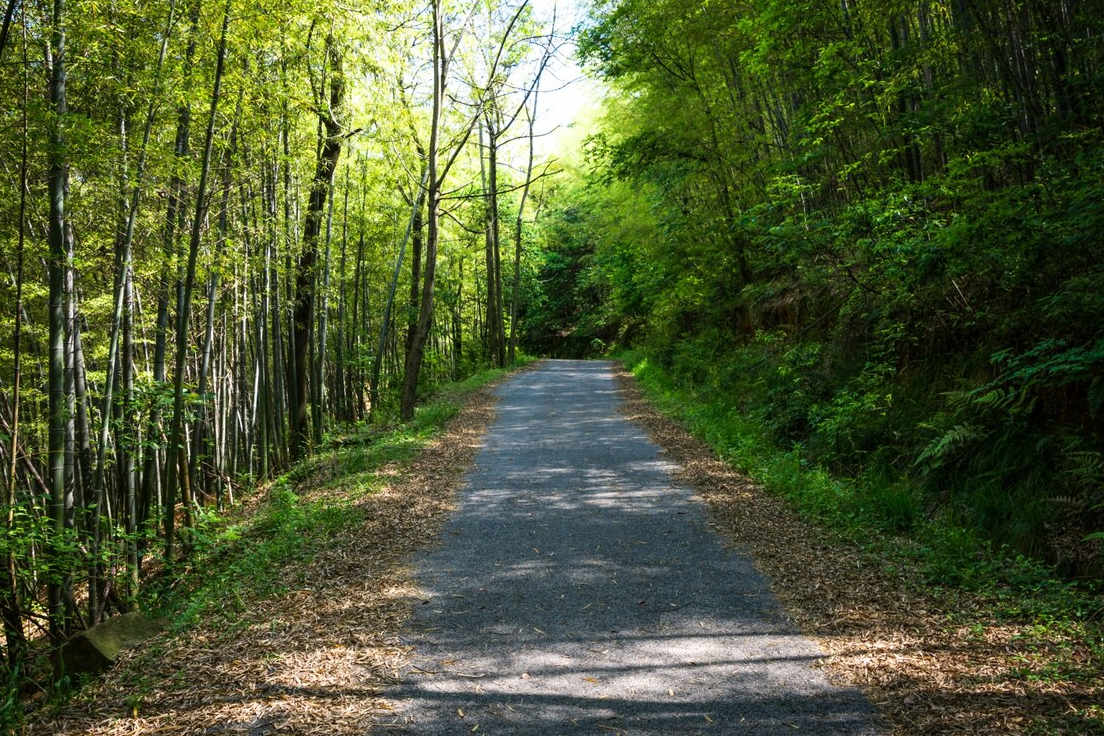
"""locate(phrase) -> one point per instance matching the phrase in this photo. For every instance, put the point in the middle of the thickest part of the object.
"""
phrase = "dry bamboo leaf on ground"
(880, 633)
(312, 660)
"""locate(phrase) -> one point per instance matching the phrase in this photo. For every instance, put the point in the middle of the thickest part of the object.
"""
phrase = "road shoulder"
(932, 665)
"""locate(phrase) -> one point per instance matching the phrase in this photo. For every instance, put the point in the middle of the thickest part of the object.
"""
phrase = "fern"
(950, 443)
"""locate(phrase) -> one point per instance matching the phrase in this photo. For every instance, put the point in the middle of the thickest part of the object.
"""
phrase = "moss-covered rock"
(97, 648)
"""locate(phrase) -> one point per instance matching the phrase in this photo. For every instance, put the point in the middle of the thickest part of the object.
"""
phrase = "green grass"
(884, 516)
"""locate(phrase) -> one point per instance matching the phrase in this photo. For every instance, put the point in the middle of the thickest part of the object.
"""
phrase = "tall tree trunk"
(323, 306)
(518, 235)
(499, 356)
(356, 333)
(457, 326)
(79, 437)
(128, 464)
(58, 174)
(177, 462)
(488, 176)
(290, 372)
(341, 397)
(303, 310)
(415, 268)
(409, 395)
(280, 391)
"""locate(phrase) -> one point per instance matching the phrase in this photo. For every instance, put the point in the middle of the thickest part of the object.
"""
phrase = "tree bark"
(305, 281)
(58, 174)
(177, 463)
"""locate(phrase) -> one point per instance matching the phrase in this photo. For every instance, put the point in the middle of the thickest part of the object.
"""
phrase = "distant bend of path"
(579, 590)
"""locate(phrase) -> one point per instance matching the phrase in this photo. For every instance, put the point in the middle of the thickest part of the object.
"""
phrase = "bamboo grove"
(230, 228)
(874, 228)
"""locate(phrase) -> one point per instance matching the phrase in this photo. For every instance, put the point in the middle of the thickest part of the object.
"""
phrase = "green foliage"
(882, 516)
(885, 256)
(1023, 481)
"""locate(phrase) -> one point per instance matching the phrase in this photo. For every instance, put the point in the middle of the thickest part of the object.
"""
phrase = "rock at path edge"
(97, 648)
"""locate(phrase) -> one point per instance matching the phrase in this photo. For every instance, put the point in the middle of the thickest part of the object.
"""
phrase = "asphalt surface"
(579, 590)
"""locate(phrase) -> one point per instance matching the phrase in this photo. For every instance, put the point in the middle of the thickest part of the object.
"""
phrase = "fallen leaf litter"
(312, 661)
(927, 675)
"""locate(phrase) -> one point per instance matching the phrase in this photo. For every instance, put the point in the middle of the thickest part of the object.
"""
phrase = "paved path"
(577, 590)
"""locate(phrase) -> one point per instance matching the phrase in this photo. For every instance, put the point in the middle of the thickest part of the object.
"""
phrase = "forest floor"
(321, 640)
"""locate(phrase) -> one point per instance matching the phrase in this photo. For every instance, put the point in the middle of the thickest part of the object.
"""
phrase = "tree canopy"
(232, 231)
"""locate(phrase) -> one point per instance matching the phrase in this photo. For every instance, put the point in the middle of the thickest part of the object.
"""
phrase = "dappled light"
(793, 314)
(578, 586)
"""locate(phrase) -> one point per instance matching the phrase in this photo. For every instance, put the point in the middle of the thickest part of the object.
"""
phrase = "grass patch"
(256, 553)
(885, 518)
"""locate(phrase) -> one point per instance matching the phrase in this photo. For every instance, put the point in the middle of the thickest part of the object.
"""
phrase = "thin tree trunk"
(512, 355)
(340, 394)
(329, 152)
(58, 173)
(290, 372)
(356, 333)
(177, 462)
(323, 306)
(81, 449)
(129, 467)
(457, 328)
(413, 366)
(488, 178)
(499, 357)
(280, 391)
(415, 269)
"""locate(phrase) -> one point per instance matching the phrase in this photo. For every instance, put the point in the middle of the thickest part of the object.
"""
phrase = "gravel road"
(578, 590)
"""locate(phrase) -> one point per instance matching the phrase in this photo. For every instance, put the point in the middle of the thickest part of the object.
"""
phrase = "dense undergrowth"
(882, 513)
(874, 229)
(975, 456)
